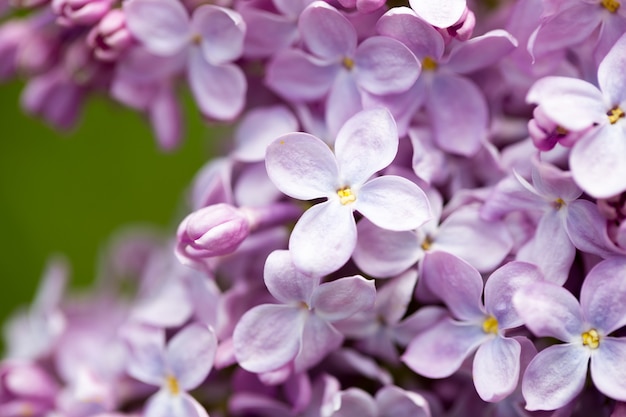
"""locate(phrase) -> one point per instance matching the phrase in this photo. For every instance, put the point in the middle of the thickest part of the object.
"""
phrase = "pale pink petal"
(393, 203)
(161, 25)
(586, 228)
(439, 351)
(440, 13)
(266, 32)
(190, 355)
(548, 309)
(164, 404)
(302, 166)
(222, 31)
(318, 339)
(422, 39)
(598, 161)
(392, 300)
(219, 91)
(286, 283)
(603, 293)
(608, 367)
(326, 32)
(356, 402)
(366, 143)
(268, 336)
(501, 286)
(393, 401)
(342, 298)
(611, 84)
(553, 183)
(456, 282)
(385, 66)
(459, 114)
(324, 238)
(481, 52)
(343, 102)
(555, 377)
(496, 368)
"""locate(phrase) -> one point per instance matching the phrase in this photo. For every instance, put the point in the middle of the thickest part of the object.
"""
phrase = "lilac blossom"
(297, 333)
(205, 44)
(338, 69)
(303, 167)
(557, 374)
(439, 351)
(597, 158)
(176, 368)
(390, 401)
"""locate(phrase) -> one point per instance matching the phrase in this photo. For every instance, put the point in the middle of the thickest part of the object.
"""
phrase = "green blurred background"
(67, 193)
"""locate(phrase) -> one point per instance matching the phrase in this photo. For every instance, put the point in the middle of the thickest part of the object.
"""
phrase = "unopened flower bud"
(110, 38)
(80, 12)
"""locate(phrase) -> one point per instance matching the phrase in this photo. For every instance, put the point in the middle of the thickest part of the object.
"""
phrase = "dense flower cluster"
(422, 212)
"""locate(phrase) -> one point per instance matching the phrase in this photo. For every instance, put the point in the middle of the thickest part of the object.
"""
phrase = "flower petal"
(608, 369)
(222, 31)
(440, 13)
(609, 80)
(481, 52)
(356, 402)
(342, 298)
(326, 32)
(393, 401)
(496, 368)
(323, 239)
(190, 355)
(603, 293)
(366, 143)
(302, 166)
(285, 282)
(555, 377)
(163, 404)
(268, 336)
(422, 39)
(393, 203)
(318, 339)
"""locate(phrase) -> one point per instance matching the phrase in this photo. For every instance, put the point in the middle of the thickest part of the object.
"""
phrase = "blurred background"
(67, 193)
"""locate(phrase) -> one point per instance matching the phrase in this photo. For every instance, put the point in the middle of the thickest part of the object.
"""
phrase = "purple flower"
(298, 333)
(439, 351)
(557, 374)
(303, 167)
(205, 44)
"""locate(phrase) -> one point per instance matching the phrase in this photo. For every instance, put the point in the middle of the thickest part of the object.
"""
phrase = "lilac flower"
(390, 401)
(26, 389)
(597, 159)
(206, 44)
(439, 351)
(336, 69)
(177, 368)
(303, 167)
(298, 333)
(110, 38)
(557, 374)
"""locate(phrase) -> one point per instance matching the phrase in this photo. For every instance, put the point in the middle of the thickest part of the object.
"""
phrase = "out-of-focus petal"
(268, 336)
(555, 376)
(611, 83)
(548, 309)
(496, 368)
(324, 238)
(456, 282)
(219, 91)
(163, 404)
(385, 66)
(439, 351)
(326, 32)
(302, 166)
(356, 402)
(481, 51)
(393, 401)
(393, 203)
(440, 13)
(161, 25)
(222, 31)
(342, 298)
(190, 355)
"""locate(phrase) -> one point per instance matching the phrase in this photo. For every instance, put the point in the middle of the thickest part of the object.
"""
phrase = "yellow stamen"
(348, 63)
(490, 325)
(611, 5)
(196, 39)
(427, 243)
(558, 203)
(591, 339)
(561, 131)
(172, 385)
(346, 196)
(429, 64)
(615, 114)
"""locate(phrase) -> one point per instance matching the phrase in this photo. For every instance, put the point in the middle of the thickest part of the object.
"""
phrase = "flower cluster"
(421, 213)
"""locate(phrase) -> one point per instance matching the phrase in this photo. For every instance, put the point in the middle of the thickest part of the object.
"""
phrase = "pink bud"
(110, 38)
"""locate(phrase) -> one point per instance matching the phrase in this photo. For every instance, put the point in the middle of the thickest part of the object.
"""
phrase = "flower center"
(611, 5)
(429, 64)
(172, 385)
(615, 114)
(196, 39)
(490, 325)
(558, 203)
(427, 243)
(346, 196)
(591, 339)
(348, 63)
